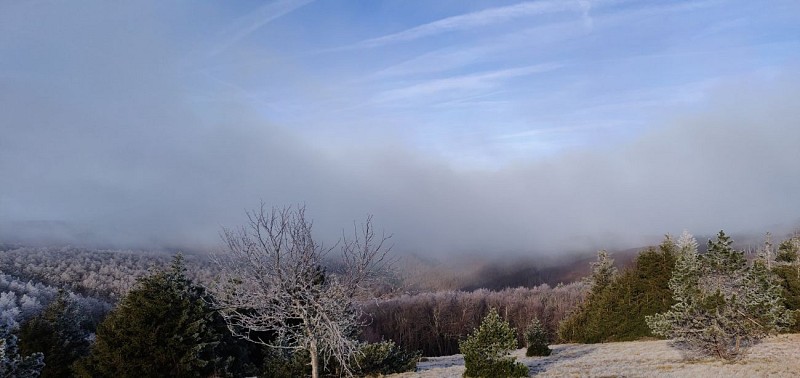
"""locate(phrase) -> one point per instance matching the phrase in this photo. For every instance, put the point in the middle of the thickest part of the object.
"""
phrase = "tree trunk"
(314, 359)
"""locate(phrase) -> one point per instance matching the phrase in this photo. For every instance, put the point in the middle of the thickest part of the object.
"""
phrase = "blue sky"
(463, 126)
(486, 83)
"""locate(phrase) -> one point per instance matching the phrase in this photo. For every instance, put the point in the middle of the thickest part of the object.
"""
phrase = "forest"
(89, 313)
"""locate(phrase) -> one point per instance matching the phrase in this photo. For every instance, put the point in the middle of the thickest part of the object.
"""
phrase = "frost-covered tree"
(12, 364)
(722, 305)
(603, 272)
(788, 251)
(536, 340)
(486, 350)
(276, 290)
(434, 322)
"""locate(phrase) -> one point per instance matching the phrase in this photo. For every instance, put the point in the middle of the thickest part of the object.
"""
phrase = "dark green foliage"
(788, 251)
(616, 311)
(384, 358)
(486, 350)
(536, 340)
(164, 327)
(721, 258)
(576, 327)
(787, 270)
(12, 364)
(57, 333)
(286, 364)
(374, 359)
(789, 280)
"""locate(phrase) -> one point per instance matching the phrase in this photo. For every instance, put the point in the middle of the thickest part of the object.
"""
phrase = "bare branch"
(275, 290)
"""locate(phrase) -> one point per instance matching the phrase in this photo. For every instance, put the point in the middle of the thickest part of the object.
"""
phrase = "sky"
(531, 127)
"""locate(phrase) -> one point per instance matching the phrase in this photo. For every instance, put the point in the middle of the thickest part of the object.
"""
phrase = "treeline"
(618, 304)
(433, 323)
(163, 322)
(22, 300)
(106, 274)
(165, 326)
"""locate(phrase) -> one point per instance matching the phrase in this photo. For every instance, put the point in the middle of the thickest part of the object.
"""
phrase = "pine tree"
(722, 306)
(57, 333)
(486, 350)
(787, 269)
(12, 364)
(603, 272)
(788, 250)
(164, 327)
(382, 358)
(580, 325)
(536, 340)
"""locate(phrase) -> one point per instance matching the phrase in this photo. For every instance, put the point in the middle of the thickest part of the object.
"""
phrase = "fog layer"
(103, 141)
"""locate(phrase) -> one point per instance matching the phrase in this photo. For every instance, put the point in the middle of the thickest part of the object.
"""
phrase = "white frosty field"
(776, 357)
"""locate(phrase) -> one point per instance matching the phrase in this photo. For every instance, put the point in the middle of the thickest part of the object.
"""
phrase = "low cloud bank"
(109, 147)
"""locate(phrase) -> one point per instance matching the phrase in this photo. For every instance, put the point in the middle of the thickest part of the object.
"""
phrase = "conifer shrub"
(486, 350)
(722, 305)
(373, 359)
(536, 340)
(286, 364)
(384, 358)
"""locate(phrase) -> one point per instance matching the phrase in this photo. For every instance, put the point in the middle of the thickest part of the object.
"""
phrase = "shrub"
(536, 340)
(286, 364)
(374, 359)
(384, 358)
(722, 306)
(486, 350)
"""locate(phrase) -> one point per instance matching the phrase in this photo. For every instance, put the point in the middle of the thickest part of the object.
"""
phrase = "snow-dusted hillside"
(776, 357)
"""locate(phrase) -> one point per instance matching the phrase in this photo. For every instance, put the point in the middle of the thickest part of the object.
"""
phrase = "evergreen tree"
(164, 327)
(788, 250)
(578, 325)
(722, 306)
(12, 364)
(616, 311)
(378, 359)
(486, 350)
(603, 272)
(787, 269)
(536, 340)
(57, 333)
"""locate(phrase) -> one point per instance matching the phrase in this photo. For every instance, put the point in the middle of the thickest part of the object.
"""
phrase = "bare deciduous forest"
(609, 304)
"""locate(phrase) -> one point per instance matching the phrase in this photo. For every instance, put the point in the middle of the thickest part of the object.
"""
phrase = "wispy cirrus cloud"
(253, 21)
(471, 82)
(486, 50)
(475, 19)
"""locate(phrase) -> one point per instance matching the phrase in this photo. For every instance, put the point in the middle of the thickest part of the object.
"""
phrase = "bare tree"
(275, 289)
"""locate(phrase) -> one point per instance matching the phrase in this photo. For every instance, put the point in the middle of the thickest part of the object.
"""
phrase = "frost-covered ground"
(775, 357)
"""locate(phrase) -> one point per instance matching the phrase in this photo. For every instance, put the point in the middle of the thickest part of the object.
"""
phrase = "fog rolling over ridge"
(107, 138)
